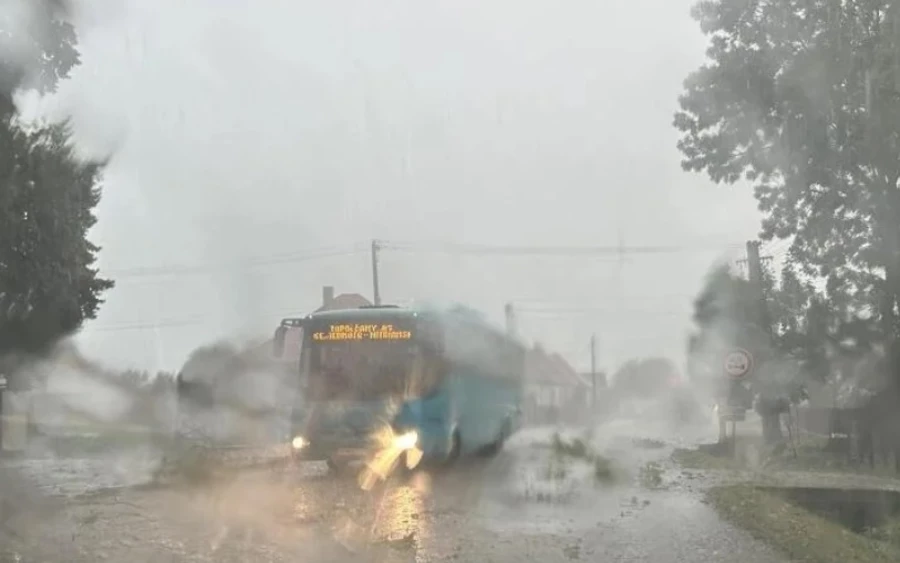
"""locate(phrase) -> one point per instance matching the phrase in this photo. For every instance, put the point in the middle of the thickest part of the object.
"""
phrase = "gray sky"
(266, 130)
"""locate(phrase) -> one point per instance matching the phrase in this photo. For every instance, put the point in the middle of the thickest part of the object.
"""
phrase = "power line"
(486, 249)
(587, 311)
(400, 246)
(276, 315)
(556, 312)
(529, 302)
(143, 326)
(181, 270)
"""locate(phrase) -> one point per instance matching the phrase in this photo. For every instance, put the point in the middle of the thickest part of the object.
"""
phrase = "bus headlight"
(406, 441)
(299, 442)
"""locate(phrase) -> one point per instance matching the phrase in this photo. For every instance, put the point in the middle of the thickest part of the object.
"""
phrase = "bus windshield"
(363, 370)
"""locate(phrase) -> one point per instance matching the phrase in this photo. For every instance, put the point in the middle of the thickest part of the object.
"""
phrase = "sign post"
(737, 365)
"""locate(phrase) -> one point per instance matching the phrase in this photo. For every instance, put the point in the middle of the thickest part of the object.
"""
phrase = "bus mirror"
(278, 342)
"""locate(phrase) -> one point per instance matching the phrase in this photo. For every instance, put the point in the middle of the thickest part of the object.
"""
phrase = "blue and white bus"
(440, 382)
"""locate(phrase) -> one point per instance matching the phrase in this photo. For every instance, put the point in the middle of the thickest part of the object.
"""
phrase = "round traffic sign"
(738, 363)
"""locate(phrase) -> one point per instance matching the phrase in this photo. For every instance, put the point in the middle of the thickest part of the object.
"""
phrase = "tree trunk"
(771, 423)
(770, 409)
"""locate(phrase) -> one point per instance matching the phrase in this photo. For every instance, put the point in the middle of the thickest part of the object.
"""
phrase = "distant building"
(554, 390)
(342, 301)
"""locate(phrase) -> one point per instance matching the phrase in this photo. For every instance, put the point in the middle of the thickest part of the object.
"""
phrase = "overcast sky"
(273, 131)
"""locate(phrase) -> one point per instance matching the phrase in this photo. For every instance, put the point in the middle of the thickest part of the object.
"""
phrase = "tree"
(808, 339)
(727, 313)
(48, 285)
(802, 97)
(645, 377)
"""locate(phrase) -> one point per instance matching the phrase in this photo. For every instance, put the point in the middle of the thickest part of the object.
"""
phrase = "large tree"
(779, 323)
(802, 98)
(645, 377)
(48, 285)
(803, 338)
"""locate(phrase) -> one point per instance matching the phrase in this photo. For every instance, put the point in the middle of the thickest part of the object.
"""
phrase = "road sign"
(738, 363)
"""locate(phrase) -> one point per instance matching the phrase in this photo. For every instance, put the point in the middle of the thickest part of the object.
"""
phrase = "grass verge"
(705, 457)
(888, 532)
(800, 534)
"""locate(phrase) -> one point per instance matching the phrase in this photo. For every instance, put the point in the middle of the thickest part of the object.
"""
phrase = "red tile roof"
(345, 301)
(550, 369)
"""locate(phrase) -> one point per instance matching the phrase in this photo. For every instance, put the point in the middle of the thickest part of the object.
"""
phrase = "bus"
(439, 382)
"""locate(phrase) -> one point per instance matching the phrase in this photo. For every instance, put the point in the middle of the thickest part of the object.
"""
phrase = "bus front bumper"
(321, 449)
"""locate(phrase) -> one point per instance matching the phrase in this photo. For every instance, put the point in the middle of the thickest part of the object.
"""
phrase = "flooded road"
(527, 503)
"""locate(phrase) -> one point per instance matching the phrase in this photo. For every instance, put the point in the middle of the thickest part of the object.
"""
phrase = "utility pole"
(376, 293)
(754, 265)
(593, 371)
(511, 328)
(771, 415)
(755, 276)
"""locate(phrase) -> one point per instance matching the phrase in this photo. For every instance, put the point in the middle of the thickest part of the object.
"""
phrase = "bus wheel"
(494, 448)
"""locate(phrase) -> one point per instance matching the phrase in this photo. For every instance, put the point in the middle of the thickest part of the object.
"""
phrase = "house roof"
(550, 369)
(345, 301)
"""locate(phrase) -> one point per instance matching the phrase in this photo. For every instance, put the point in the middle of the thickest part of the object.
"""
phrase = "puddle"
(855, 509)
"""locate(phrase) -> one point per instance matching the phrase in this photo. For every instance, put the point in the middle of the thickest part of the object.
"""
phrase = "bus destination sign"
(357, 332)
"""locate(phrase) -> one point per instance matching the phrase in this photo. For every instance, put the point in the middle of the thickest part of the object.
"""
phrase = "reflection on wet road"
(476, 511)
(527, 503)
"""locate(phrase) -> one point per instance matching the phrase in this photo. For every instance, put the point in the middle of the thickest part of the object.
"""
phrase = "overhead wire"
(121, 327)
(285, 258)
(283, 312)
(568, 314)
(393, 245)
(514, 250)
(439, 247)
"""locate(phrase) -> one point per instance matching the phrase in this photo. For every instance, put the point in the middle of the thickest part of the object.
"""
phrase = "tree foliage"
(803, 338)
(645, 377)
(727, 316)
(802, 98)
(37, 47)
(48, 285)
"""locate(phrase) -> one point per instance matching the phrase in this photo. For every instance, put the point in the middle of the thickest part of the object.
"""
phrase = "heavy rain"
(430, 281)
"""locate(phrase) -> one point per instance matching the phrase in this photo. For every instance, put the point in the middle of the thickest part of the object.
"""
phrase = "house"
(553, 387)
(330, 302)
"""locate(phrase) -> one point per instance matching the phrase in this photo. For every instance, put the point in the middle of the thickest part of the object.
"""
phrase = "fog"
(258, 147)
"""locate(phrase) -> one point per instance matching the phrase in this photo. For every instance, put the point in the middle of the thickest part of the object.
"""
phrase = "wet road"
(522, 505)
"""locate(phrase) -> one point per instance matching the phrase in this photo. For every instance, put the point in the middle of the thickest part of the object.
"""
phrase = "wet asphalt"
(522, 505)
